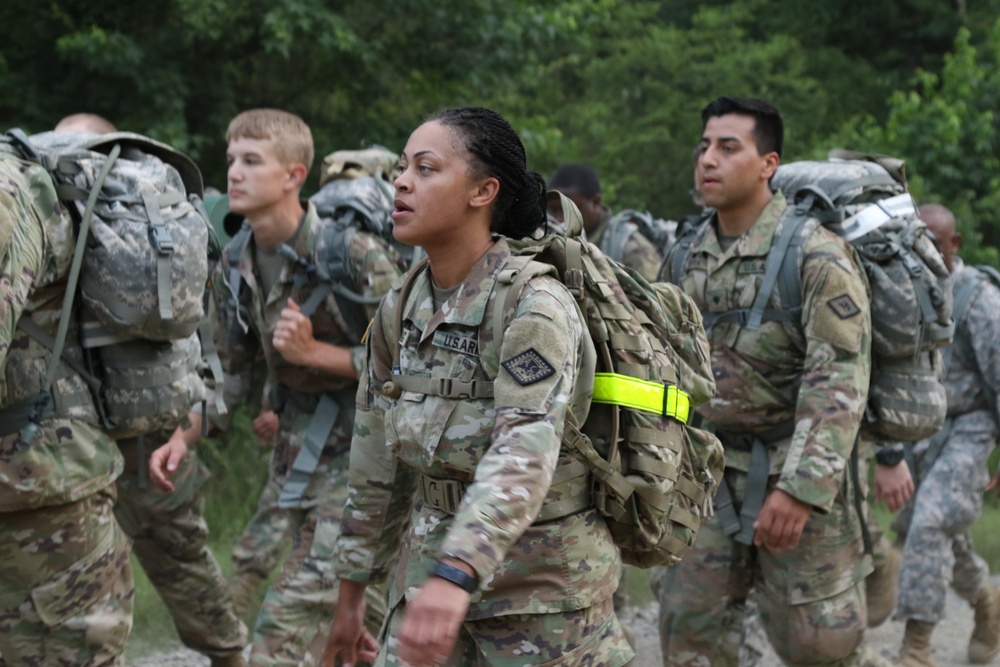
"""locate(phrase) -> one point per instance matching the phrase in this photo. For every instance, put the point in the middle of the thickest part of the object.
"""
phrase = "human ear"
(297, 173)
(485, 192)
(771, 162)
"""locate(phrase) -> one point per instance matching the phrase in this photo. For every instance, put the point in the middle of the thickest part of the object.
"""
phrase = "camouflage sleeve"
(374, 269)
(983, 329)
(237, 347)
(834, 390)
(380, 489)
(539, 359)
(21, 255)
(642, 256)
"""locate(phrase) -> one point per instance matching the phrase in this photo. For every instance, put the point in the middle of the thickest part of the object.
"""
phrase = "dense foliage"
(613, 83)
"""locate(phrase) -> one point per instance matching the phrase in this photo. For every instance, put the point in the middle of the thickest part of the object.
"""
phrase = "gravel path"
(950, 640)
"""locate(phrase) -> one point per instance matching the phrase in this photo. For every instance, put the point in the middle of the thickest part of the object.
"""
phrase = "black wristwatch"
(465, 581)
(889, 457)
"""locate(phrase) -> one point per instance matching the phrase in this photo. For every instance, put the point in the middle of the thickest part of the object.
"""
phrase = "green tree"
(946, 128)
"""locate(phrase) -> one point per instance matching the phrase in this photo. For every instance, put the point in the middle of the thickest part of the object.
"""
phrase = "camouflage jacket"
(971, 381)
(70, 457)
(505, 448)
(372, 271)
(639, 253)
(815, 374)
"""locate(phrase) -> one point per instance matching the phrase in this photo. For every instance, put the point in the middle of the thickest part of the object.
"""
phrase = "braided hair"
(497, 152)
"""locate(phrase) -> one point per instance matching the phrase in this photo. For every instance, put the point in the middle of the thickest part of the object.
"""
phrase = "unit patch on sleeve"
(464, 343)
(528, 367)
(843, 306)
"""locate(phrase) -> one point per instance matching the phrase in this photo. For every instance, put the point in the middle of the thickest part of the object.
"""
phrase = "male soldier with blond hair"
(267, 300)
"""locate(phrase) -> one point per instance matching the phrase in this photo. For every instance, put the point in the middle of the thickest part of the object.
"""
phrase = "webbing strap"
(164, 245)
(936, 444)
(725, 510)
(319, 429)
(210, 354)
(445, 387)
(630, 392)
(756, 490)
(772, 269)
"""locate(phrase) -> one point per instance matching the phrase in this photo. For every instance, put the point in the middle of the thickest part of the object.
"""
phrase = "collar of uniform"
(474, 292)
(756, 241)
(304, 243)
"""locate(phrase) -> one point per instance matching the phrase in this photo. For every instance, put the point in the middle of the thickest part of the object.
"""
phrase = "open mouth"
(401, 207)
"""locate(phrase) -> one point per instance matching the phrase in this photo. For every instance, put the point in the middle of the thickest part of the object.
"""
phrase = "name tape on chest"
(464, 343)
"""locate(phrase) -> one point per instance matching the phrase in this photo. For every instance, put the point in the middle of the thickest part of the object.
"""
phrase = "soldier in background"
(261, 290)
(581, 184)
(67, 589)
(168, 530)
(952, 470)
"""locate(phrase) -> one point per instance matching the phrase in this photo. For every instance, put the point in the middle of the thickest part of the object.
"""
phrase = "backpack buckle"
(162, 241)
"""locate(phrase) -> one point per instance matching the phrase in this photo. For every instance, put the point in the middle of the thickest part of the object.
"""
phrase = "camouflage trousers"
(265, 537)
(169, 536)
(811, 597)
(590, 637)
(67, 591)
(938, 519)
(294, 620)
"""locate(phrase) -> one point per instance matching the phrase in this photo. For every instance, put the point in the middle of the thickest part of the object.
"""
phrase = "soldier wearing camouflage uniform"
(580, 183)
(952, 472)
(313, 362)
(169, 533)
(67, 589)
(788, 409)
(455, 479)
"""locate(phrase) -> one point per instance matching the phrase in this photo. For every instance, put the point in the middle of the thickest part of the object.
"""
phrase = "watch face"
(889, 458)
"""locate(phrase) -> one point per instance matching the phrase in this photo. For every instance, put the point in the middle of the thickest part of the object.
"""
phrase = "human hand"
(780, 521)
(994, 484)
(293, 335)
(349, 638)
(165, 460)
(265, 425)
(893, 484)
(430, 628)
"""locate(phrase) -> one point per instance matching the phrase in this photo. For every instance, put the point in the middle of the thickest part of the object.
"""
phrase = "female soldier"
(457, 463)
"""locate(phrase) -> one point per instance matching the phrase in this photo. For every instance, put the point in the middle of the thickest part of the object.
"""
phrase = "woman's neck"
(451, 263)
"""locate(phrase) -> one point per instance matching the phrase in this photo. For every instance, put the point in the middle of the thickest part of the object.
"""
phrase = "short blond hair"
(289, 134)
(86, 122)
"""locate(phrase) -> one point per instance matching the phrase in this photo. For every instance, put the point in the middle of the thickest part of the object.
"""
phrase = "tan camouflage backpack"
(864, 199)
(652, 473)
(140, 270)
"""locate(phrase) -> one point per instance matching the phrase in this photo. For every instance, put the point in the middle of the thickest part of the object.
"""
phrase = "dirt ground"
(951, 639)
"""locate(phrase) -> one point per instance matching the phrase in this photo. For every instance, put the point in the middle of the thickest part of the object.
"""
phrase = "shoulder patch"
(528, 367)
(843, 306)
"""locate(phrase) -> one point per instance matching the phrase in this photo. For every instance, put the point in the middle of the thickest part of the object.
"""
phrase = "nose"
(401, 183)
(233, 173)
(707, 156)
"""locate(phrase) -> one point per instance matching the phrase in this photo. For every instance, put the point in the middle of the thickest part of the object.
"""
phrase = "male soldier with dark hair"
(788, 409)
(580, 183)
(66, 596)
(952, 470)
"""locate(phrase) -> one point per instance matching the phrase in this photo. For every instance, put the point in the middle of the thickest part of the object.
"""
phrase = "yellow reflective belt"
(643, 395)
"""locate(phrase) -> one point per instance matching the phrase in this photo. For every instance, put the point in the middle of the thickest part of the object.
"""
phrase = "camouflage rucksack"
(622, 225)
(141, 268)
(652, 473)
(864, 199)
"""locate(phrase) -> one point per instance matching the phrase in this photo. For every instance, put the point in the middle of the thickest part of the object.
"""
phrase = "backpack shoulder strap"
(620, 229)
(234, 252)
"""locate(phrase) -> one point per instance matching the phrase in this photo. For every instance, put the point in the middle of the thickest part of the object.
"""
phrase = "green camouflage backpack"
(139, 272)
(622, 225)
(652, 473)
(864, 199)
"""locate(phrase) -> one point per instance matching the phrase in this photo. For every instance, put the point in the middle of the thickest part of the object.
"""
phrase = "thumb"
(294, 306)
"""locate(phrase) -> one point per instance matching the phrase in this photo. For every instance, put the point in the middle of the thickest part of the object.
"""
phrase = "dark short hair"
(769, 128)
(576, 177)
(497, 152)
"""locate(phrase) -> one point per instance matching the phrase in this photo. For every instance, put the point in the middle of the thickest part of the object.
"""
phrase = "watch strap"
(463, 580)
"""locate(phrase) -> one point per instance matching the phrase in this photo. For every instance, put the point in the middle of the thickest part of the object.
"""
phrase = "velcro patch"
(528, 367)
(843, 306)
(466, 344)
(752, 266)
